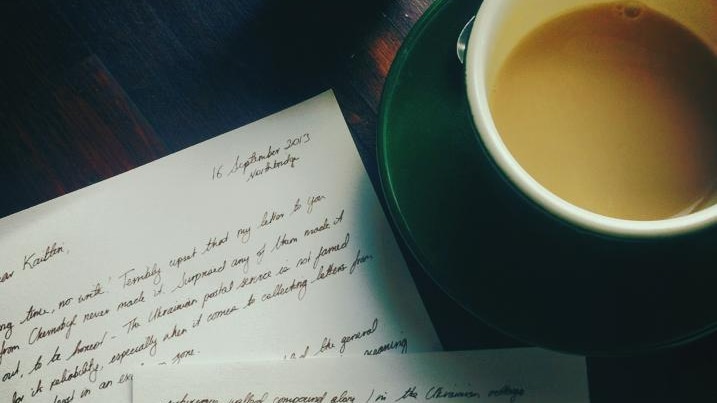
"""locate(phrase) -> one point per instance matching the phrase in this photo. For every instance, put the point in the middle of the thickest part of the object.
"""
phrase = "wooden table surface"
(92, 88)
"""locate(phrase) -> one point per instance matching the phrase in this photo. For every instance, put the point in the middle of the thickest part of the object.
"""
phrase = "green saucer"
(502, 258)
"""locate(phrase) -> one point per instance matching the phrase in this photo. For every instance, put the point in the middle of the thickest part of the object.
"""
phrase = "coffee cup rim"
(475, 70)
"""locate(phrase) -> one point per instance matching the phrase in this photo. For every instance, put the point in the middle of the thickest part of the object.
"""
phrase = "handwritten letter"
(267, 242)
(498, 376)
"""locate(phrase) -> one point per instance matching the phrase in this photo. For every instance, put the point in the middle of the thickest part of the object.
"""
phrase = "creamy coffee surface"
(613, 108)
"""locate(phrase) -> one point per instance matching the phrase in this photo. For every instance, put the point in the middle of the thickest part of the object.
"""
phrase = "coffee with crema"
(613, 108)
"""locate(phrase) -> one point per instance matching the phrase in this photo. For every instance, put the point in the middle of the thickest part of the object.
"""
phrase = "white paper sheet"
(263, 243)
(511, 375)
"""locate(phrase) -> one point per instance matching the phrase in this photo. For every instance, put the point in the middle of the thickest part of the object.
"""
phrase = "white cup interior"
(499, 27)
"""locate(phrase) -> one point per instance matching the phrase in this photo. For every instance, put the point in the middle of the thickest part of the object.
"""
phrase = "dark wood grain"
(92, 88)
